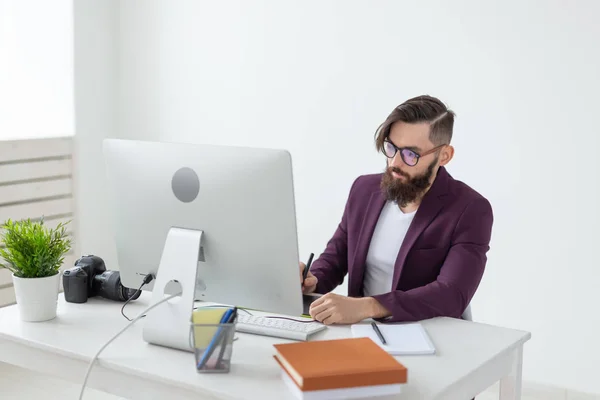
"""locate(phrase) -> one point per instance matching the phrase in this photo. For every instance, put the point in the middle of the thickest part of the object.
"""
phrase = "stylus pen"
(378, 332)
(305, 272)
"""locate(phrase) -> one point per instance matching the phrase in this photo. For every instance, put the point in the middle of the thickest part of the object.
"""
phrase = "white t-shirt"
(387, 238)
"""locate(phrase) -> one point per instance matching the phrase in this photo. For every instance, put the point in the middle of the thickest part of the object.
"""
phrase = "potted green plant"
(34, 254)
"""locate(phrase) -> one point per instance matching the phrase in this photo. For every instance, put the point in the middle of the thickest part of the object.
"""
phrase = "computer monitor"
(241, 200)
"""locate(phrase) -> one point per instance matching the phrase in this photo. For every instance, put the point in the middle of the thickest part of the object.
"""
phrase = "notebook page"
(402, 339)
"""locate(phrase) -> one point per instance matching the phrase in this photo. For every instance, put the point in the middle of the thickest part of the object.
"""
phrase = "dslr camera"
(89, 278)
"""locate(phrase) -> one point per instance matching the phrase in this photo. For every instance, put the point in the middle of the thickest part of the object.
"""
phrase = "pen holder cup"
(213, 346)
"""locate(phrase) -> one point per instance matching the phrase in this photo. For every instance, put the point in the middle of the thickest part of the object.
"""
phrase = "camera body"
(89, 277)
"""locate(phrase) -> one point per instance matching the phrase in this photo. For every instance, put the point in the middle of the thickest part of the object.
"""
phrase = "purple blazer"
(441, 260)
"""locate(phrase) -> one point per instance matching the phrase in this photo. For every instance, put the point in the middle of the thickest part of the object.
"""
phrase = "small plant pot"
(37, 298)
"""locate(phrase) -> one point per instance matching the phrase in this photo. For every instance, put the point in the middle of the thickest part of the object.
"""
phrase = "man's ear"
(446, 155)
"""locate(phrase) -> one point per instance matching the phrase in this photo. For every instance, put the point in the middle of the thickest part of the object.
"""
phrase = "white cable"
(140, 315)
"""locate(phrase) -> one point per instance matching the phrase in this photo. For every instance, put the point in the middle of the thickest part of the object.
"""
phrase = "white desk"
(471, 357)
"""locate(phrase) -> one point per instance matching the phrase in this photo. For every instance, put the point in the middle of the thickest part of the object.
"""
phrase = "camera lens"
(128, 293)
(108, 285)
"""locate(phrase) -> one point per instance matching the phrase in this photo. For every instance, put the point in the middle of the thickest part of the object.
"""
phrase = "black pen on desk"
(307, 267)
(378, 332)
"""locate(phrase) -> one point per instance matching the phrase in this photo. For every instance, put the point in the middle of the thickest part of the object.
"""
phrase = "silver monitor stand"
(169, 324)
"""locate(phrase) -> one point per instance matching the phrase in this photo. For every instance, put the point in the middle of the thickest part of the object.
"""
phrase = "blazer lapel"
(430, 207)
(376, 203)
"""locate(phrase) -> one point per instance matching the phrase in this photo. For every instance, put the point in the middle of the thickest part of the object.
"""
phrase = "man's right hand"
(310, 284)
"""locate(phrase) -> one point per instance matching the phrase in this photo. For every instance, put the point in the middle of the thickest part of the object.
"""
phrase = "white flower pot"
(37, 298)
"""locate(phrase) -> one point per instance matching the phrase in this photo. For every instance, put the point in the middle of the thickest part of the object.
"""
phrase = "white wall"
(96, 79)
(318, 77)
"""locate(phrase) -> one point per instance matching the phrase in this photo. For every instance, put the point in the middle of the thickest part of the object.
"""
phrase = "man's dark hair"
(417, 110)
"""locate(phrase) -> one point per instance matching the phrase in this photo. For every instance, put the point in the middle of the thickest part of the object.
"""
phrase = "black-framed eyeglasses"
(410, 157)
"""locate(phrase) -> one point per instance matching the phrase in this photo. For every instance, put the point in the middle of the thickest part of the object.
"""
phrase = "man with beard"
(413, 240)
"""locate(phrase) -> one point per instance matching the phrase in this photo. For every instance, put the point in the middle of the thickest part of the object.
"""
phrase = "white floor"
(20, 384)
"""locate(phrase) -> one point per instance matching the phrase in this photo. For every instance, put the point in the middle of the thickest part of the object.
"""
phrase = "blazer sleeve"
(460, 275)
(332, 265)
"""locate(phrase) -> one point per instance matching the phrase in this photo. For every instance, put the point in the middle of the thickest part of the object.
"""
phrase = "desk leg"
(510, 385)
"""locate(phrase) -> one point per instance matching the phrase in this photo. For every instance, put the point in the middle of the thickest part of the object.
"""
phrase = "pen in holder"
(213, 344)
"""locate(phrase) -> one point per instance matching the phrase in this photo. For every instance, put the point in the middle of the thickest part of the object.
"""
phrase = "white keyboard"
(277, 327)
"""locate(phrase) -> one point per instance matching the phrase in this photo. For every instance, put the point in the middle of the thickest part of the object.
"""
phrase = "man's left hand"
(336, 309)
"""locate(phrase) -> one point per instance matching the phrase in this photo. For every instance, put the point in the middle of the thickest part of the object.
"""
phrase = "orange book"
(340, 363)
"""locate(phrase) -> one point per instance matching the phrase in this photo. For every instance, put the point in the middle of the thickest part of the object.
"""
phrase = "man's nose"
(396, 161)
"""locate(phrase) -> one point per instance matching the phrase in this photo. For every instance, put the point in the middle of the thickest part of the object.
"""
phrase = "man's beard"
(406, 192)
